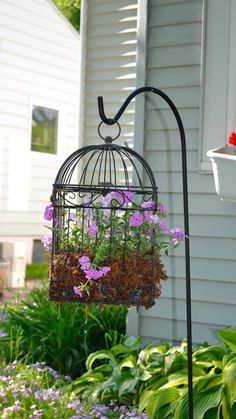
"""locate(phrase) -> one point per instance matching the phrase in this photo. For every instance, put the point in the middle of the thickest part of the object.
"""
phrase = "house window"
(218, 108)
(44, 129)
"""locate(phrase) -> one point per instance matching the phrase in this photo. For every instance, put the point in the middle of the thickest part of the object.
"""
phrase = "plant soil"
(133, 282)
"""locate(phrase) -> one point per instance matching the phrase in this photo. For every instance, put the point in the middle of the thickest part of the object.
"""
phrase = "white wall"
(174, 65)
(174, 44)
(39, 64)
(110, 70)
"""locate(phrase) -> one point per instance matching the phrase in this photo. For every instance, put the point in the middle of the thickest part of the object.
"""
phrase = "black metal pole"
(111, 121)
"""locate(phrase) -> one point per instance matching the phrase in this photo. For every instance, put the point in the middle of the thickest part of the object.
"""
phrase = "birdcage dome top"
(105, 167)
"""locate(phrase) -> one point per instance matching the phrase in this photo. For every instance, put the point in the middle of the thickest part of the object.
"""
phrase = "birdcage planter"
(107, 232)
(110, 225)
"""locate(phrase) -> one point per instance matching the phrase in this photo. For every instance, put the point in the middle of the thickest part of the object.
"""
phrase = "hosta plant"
(156, 378)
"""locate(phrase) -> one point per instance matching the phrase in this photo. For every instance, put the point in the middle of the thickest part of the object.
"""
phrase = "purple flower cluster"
(91, 273)
(123, 198)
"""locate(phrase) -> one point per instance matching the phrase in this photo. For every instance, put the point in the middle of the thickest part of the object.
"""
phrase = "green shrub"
(36, 271)
(155, 378)
(34, 332)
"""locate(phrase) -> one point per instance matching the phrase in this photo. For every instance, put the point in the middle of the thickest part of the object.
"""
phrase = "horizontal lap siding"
(110, 65)
(40, 58)
(174, 65)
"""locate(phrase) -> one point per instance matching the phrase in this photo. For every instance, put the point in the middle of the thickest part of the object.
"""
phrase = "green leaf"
(98, 356)
(145, 399)
(160, 399)
(129, 362)
(212, 414)
(228, 336)
(202, 402)
(229, 378)
(132, 342)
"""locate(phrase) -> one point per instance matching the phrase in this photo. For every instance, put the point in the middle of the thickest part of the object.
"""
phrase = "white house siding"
(174, 65)
(39, 64)
(110, 70)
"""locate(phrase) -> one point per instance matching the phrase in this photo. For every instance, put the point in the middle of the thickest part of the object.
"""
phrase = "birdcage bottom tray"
(133, 282)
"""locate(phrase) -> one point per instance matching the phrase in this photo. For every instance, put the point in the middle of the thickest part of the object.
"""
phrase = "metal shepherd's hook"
(111, 121)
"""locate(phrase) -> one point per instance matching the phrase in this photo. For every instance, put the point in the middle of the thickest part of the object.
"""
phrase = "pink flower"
(92, 230)
(47, 240)
(178, 234)
(78, 291)
(136, 219)
(48, 212)
(162, 209)
(150, 217)
(148, 204)
(164, 227)
(105, 270)
(83, 260)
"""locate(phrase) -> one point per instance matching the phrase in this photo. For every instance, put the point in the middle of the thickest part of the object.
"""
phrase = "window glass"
(44, 129)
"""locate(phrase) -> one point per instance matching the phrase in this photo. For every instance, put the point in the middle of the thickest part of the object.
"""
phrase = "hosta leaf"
(129, 362)
(175, 362)
(132, 342)
(127, 386)
(209, 353)
(212, 414)
(202, 402)
(225, 404)
(175, 380)
(228, 336)
(159, 399)
(205, 383)
(144, 399)
(99, 355)
(229, 377)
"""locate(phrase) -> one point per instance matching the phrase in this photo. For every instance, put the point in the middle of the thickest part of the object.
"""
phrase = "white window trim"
(218, 104)
(37, 155)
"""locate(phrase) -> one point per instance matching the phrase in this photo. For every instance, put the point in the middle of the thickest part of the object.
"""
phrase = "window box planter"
(224, 170)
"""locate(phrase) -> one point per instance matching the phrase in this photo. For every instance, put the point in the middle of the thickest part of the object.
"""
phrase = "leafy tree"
(71, 10)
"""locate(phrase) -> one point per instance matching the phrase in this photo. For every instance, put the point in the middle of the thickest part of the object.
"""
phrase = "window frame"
(50, 104)
(55, 144)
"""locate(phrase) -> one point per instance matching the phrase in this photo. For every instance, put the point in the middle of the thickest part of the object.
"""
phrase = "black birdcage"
(102, 250)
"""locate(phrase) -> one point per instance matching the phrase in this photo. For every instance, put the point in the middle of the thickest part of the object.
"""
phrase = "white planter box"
(224, 170)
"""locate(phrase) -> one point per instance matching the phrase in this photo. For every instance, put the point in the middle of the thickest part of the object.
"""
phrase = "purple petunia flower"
(84, 260)
(148, 204)
(123, 197)
(162, 209)
(78, 291)
(47, 241)
(92, 230)
(136, 219)
(164, 227)
(105, 270)
(48, 212)
(178, 234)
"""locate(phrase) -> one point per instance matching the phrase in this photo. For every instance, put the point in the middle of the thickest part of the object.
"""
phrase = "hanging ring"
(109, 139)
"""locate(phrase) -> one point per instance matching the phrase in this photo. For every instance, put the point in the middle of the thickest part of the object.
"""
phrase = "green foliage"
(34, 332)
(155, 378)
(36, 271)
(71, 10)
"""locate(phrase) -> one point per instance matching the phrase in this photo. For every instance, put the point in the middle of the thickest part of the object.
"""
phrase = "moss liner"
(133, 282)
